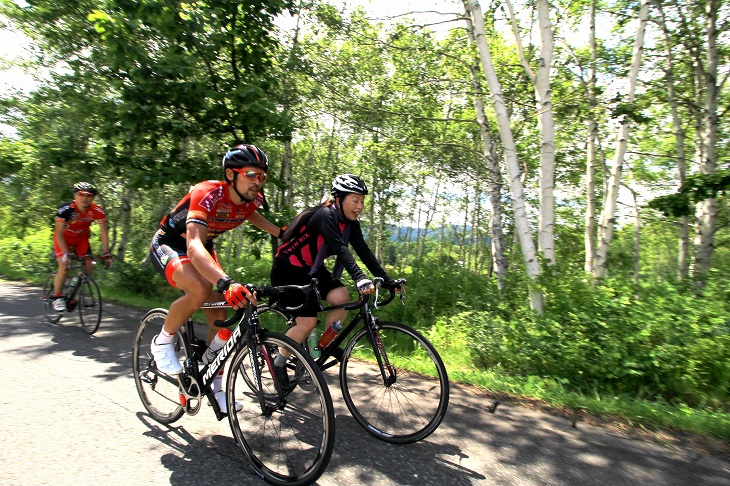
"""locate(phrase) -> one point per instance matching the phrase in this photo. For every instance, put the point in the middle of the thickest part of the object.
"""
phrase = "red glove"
(236, 294)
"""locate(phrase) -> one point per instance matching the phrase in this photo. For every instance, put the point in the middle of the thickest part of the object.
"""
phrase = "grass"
(662, 421)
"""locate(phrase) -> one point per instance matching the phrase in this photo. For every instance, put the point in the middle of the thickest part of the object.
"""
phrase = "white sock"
(217, 383)
(164, 337)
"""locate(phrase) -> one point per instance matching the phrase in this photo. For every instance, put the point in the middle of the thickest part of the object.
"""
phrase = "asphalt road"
(70, 414)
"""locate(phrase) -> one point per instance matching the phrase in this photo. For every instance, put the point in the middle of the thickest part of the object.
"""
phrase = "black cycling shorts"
(283, 273)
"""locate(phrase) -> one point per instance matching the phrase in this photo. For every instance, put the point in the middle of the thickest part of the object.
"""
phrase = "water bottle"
(218, 341)
(69, 285)
(313, 341)
(330, 334)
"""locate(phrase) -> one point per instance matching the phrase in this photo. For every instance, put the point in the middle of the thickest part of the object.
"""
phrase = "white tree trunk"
(546, 126)
(522, 227)
(590, 217)
(605, 230)
(679, 143)
(707, 209)
(494, 173)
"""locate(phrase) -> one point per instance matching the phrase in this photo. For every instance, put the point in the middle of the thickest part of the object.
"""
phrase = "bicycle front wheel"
(289, 440)
(52, 314)
(160, 393)
(408, 400)
(90, 305)
(274, 320)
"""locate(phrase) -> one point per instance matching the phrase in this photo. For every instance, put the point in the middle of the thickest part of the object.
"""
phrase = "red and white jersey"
(209, 203)
(77, 223)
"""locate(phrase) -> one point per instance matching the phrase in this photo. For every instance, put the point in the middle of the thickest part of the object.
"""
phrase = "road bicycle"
(285, 432)
(392, 379)
(80, 292)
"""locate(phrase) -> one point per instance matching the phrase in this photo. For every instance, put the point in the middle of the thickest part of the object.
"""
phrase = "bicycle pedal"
(72, 305)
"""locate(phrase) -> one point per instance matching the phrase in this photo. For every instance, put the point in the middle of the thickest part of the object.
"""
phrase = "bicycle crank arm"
(190, 397)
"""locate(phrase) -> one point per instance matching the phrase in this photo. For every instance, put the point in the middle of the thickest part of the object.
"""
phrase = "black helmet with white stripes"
(84, 187)
(348, 183)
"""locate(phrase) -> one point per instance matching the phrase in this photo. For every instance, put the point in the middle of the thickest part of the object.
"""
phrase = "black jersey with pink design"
(323, 227)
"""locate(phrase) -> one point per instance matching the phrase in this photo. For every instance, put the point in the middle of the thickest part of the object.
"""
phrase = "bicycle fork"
(254, 346)
(387, 370)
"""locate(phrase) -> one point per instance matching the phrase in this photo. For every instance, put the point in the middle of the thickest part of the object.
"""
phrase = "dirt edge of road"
(675, 439)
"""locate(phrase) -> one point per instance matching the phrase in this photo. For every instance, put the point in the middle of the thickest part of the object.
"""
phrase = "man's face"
(249, 181)
(83, 200)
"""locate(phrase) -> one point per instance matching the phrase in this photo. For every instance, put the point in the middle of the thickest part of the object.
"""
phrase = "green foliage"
(696, 188)
(31, 256)
(655, 340)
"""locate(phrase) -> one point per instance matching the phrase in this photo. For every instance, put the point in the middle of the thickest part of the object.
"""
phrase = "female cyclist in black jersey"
(313, 236)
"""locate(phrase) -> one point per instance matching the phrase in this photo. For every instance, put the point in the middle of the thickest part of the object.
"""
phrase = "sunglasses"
(252, 175)
(85, 194)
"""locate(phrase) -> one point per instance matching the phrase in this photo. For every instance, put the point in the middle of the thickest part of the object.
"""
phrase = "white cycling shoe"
(59, 305)
(220, 397)
(165, 358)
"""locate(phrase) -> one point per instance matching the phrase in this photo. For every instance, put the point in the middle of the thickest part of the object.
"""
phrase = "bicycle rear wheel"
(411, 407)
(90, 305)
(52, 315)
(291, 441)
(160, 393)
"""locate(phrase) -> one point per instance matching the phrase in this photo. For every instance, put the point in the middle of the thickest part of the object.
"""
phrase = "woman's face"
(352, 205)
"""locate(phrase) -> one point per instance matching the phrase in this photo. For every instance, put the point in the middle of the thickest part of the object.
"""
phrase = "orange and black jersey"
(322, 228)
(208, 203)
(76, 223)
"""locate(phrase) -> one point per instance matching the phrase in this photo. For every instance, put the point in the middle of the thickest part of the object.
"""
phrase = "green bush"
(31, 257)
(657, 341)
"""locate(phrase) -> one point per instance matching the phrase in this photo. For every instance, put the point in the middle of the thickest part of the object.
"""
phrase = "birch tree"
(679, 138)
(708, 94)
(540, 79)
(522, 228)
(591, 152)
(608, 215)
(494, 173)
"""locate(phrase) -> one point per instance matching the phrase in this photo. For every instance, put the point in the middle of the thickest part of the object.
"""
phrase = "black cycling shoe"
(283, 378)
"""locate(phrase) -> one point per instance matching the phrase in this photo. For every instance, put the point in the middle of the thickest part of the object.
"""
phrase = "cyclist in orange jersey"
(182, 248)
(73, 221)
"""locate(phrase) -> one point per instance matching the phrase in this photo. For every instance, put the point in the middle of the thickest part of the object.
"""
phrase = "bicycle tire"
(89, 305)
(160, 393)
(52, 314)
(273, 320)
(413, 406)
(292, 444)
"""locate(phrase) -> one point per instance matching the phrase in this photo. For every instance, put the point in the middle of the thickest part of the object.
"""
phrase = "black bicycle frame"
(386, 370)
(248, 321)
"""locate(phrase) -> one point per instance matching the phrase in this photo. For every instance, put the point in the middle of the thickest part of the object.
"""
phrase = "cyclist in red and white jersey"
(182, 248)
(72, 230)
